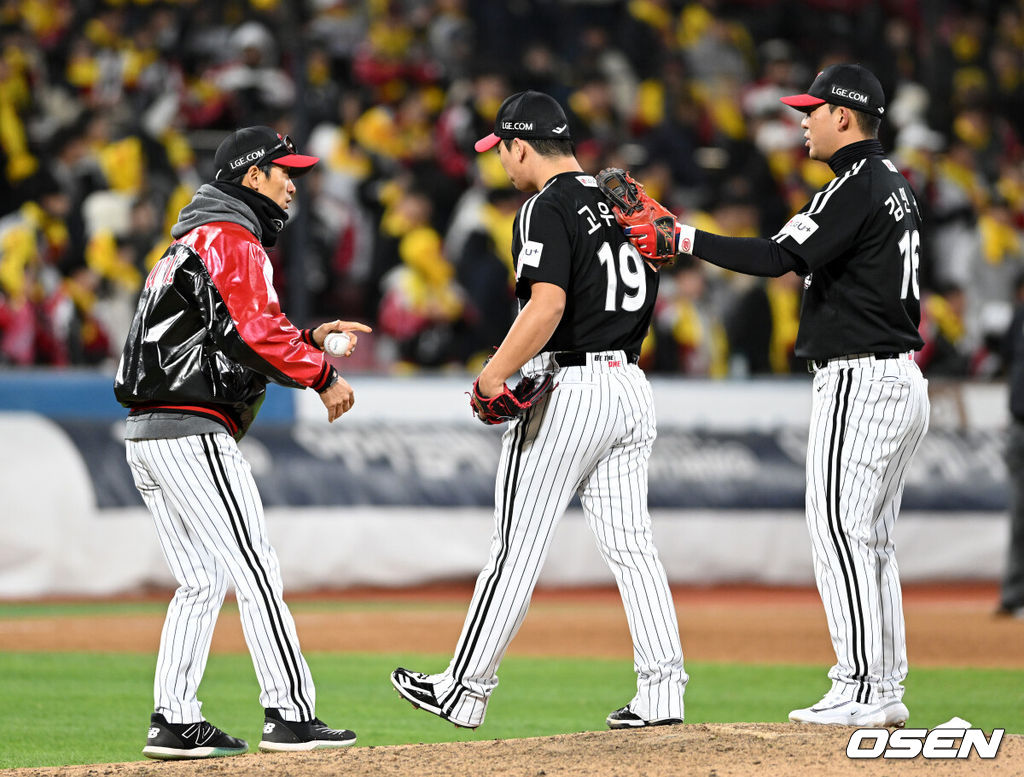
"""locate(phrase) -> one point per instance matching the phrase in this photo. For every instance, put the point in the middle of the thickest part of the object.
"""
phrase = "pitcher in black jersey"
(857, 244)
(586, 298)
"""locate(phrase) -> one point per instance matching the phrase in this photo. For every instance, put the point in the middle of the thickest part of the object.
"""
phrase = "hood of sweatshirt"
(236, 204)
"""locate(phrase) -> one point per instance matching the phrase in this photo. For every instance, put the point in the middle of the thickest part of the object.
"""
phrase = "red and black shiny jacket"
(209, 334)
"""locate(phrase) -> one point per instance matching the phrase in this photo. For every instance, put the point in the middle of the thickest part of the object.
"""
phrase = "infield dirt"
(947, 625)
(704, 749)
(950, 625)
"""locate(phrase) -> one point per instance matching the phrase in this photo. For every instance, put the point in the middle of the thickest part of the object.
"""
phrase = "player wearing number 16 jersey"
(586, 299)
(857, 244)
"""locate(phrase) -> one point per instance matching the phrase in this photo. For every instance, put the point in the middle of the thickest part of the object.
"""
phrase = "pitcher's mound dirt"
(707, 750)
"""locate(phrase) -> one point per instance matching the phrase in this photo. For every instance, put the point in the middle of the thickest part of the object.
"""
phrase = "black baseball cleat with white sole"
(416, 689)
(624, 717)
(181, 741)
(286, 736)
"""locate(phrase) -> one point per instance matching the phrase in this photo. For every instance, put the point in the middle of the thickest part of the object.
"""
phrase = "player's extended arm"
(532, 328)
(750, 255)
(753, 256)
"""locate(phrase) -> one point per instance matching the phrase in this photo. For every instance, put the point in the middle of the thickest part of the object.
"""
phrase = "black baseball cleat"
(624, 717)
(416, 689)
(1009, 611)
(181, 741)
(286, 736)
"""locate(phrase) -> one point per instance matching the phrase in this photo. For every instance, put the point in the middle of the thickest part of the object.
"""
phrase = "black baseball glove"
(650, 226)
(512, 403)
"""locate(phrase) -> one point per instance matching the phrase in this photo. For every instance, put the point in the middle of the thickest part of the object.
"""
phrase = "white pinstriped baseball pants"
(592, 436)
(868, 418)
(209, 519)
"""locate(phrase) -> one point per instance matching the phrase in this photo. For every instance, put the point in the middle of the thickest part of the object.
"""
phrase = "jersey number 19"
(630, 269)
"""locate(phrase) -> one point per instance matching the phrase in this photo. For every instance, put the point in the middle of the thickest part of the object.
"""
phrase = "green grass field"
(73, 708)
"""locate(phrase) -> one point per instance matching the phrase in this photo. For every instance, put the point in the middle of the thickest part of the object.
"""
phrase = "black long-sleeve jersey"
(566, 234)
(857, 243)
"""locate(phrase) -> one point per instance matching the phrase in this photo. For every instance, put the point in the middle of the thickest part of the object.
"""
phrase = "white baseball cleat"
(896, 713)
(835, 710)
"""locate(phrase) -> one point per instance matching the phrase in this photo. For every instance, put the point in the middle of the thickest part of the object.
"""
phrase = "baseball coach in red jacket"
(207, 336)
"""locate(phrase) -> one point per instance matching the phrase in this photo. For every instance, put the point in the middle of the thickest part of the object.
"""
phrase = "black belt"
(579, 358)
(819, 364)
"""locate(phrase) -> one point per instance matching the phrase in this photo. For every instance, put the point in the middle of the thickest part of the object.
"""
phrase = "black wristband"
(330, 379)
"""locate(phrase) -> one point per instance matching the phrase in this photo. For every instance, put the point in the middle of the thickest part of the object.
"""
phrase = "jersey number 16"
(910, 247)
(630, 269)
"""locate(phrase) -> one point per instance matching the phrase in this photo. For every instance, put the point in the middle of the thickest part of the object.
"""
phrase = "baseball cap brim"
(802, 101)
(487, 143)
(296, 161)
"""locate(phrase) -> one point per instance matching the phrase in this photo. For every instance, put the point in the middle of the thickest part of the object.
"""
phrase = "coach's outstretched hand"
(348, 327)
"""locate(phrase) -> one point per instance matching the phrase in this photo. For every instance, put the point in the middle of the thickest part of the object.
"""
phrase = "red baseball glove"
(649, 225)
(512, 403)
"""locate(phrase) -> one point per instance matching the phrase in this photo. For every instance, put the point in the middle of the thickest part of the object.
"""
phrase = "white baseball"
(336, 343)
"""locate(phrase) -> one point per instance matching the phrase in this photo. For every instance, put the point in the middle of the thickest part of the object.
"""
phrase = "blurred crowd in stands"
(110, 111)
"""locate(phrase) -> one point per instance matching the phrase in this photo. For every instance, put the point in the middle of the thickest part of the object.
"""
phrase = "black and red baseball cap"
(849, 85)
(254, 146)
(528, 115)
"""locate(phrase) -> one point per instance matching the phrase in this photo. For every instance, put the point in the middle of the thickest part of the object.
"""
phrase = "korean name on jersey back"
(567, 235)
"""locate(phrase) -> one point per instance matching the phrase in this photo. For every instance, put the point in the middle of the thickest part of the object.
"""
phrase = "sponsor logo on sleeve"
(529, 254)
(800, 227)
(587, 180)
(890, 165)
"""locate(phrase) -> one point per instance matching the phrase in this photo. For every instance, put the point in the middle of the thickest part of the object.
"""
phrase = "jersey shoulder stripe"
(524, 218)
(812, 207)
(526, 214)
(820, 200)
(802, 225)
